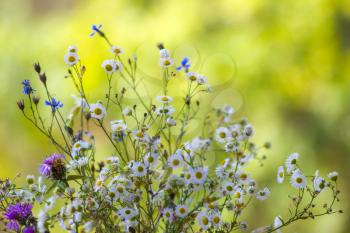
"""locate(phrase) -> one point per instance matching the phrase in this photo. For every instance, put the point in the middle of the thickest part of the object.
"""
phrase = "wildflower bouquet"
(155, 178)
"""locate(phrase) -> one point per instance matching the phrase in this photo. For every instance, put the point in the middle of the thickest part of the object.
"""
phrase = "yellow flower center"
(299, 180)
(176, 162)
(98, 111)
(140, 169)
(199, 175)
(182, 210)
(109, 67)
(71, 59)
(150, 159)
(216, 219)
(192, 78)
(205, 220)
(166, 62)
(120, 189)
(139, 134)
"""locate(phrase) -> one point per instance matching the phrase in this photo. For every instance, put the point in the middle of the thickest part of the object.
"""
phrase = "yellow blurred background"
(283, 64)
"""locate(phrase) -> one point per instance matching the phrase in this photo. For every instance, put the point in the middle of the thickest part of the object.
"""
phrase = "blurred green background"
(283, 64)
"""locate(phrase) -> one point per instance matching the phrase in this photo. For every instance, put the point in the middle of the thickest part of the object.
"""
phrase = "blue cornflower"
(185, 64)
(27, 88)
(96, 29)
(55, 104)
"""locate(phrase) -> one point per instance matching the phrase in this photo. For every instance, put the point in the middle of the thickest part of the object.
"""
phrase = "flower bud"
(30, 179)
(43, 78)
(37, 67)
(20, 104)
(36, 100)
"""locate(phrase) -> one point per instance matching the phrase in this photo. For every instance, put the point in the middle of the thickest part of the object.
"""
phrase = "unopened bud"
(36, 100)
(37, 67)
(20, 104)
(43, 78)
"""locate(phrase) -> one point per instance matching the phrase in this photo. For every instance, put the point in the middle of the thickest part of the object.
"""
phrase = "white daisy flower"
(319, 184)
(98, 184)
(243, 177)
(80, 102)
(243, 226)
(166, 110)
(251, 190)
(42, 221)
(229, 110)
(248, 130)
(127, 213)
(164, 99)
(277, 223)
(228, 188)
(77, 216)
(298, 179)
(88, 227)
(117, 50)
(112, 160)
(164, 53)
(232, 146)
(168, 214)
(72, 49)
(203, 220)
(222, 134)
(291, 162)
(139, 134)
(333, 176)
(79, 145)
(192, 76)
(98, 111)
(109, 66)
(78, 163)
(50, 202)
(71, 59)
(171, 121)
(280, 174)
(139, 169)
(200, 143)
(118, 126)
(127, 111)
(201, 79)
(120, 190)
(263, 194)
(151, 159)
(181, 211)
(238, 193)
(166, 62)
(175, 161)
(199, 175)
(216, 219)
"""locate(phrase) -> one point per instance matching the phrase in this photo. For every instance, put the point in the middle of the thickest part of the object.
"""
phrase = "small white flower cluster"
(155, 179)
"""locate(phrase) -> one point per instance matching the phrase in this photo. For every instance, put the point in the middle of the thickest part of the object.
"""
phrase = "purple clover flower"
(18, 215)
(27, 88)
(48, 164)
